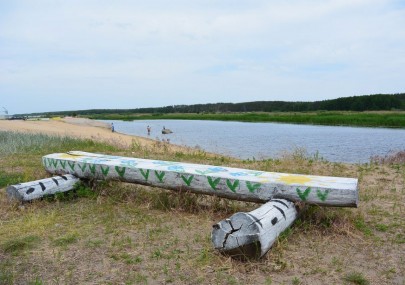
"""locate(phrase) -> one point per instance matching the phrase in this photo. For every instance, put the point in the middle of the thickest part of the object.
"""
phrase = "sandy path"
(80, 128)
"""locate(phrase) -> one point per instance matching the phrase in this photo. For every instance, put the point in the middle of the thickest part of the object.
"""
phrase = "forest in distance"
(380, 110)
(377, 102)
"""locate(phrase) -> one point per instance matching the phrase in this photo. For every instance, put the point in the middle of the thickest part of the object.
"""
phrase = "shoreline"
(82, 128)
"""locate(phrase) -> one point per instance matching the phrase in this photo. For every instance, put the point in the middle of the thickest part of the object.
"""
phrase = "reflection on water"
(270, 140)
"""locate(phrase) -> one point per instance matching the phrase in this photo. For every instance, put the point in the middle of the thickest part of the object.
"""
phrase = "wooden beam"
(251, 235)
(36, 189)
(232, 183)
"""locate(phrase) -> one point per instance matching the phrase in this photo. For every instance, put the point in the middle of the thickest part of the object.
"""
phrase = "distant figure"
(166, 131)
(112, 127)
(148, 128)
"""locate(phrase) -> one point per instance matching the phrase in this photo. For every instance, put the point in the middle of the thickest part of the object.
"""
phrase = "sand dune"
(78, 127)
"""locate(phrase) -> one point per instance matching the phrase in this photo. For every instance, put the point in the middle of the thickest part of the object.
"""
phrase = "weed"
(389, 273)
(20, 244)
(285, 235)
(37, 281)
(83, 191)
(356, 278)
(140, 279)
(393, 158)
(66, 240)
(7, 179)
(296, 281)
(6, 277)
(128, 259)
(204, 256)
(135, 145)
(381, 227)
(62, 196)
(94, 243)
(399, 238)
(361, 225)
(122, 242)
(157, 253)
(268, 281)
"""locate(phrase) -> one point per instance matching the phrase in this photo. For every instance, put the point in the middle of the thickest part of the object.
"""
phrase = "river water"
(271, 140)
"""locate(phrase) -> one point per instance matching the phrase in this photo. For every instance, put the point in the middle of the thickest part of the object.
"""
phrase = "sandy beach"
(80, 128)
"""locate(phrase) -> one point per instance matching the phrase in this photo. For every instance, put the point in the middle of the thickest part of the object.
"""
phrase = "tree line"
(376, 102)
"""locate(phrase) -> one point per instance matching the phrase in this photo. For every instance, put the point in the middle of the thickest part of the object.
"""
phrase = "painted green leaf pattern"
(82, 166)
(213, 183)
(54, 162)
(92, 168)
(322, 196)
(63, 163)
(105, 170)
(232, 186)
(120, 170)
(145, 174)
(160, 175)
(252, 186)
(187, 180)
(72, 165)
(303, 195)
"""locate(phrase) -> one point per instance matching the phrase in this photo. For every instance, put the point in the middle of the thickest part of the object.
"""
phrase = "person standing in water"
(148, 128)
(112, 127)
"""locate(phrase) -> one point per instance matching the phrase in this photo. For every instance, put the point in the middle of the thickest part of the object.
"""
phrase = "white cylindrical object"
(251, 235)
(36, 189)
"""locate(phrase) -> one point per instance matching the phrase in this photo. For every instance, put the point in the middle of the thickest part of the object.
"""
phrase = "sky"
(97, 54)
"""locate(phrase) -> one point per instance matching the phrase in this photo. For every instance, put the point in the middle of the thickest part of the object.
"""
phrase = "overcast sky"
(75, 55)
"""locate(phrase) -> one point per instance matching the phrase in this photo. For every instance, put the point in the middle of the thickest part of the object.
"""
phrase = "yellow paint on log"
(294, 179)
(69, 156)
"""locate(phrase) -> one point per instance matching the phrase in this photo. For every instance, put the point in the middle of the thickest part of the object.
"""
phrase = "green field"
(364, 119)
(120, 233)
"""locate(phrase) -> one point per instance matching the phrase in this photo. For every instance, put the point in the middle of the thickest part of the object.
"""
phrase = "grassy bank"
(364, 119)
(117, 233)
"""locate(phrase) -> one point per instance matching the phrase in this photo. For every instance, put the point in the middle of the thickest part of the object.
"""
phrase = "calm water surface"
(270, 140)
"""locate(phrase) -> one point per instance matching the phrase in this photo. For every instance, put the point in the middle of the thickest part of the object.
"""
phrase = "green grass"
(356, 278)
(361, 225)
(19, 143)
(9, 178)
(66, 240)
(20, 244)
(364, 119)
(6, 276)
(22, 154)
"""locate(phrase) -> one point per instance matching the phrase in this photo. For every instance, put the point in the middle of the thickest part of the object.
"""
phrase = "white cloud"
(196, 51)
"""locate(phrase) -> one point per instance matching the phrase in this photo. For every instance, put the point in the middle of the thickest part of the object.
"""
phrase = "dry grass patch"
(118, 233)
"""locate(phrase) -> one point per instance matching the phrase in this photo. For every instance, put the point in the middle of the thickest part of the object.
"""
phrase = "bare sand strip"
(80, 128)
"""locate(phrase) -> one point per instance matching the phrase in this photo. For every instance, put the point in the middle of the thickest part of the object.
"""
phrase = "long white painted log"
(232, 183)
(36, 189)
(251, 235)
